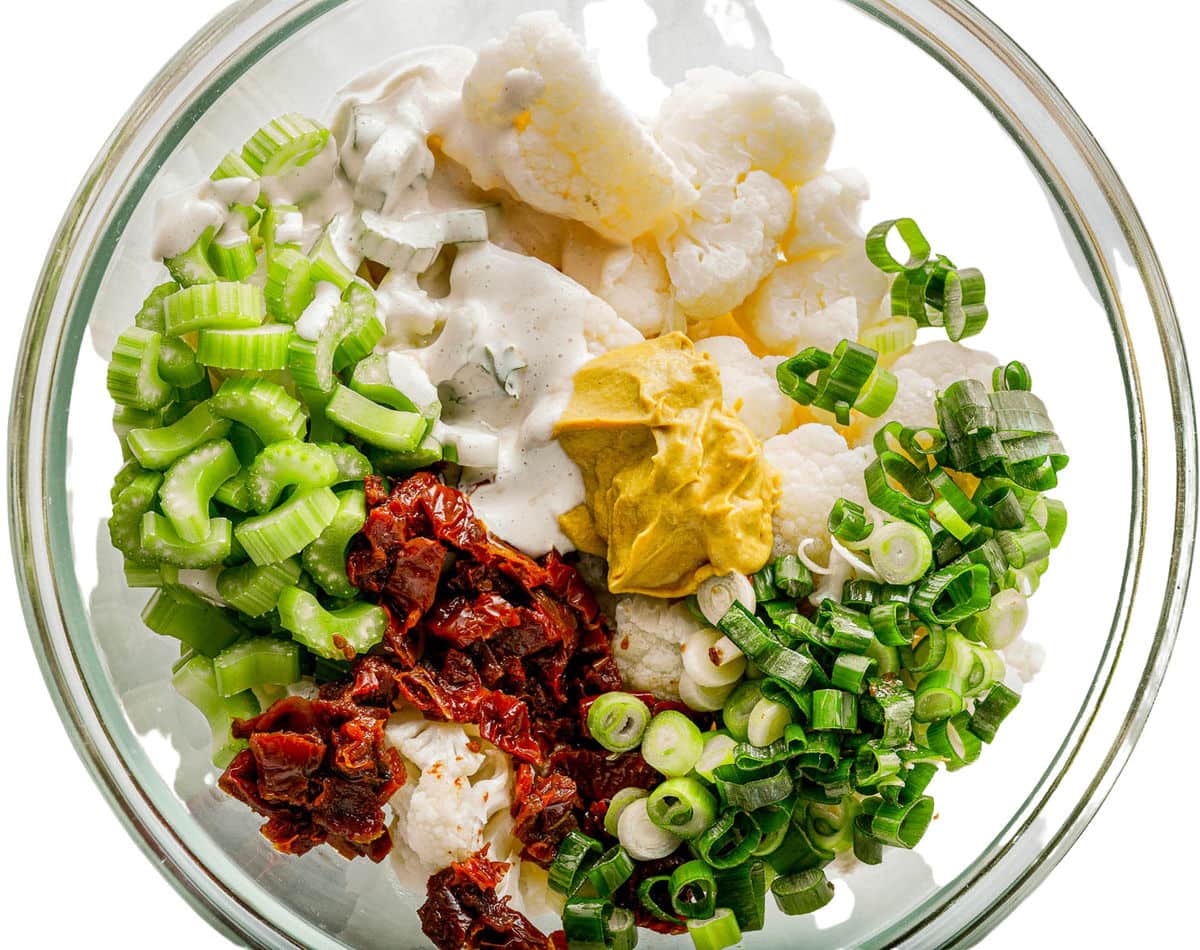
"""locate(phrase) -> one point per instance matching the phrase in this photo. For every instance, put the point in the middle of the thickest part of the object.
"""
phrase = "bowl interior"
(929, 149)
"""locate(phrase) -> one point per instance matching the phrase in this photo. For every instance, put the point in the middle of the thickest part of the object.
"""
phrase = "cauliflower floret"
(827, 211)
(749, 385)
(539, 123)
(802, 303)
(647, 645)
(442, 811)
(743, 142)
(632, 278)
(816, 468)
(921, 374)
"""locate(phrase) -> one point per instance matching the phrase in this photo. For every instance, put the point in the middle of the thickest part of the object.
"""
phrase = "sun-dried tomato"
(462, 912)
(320, 772)
(546, 814)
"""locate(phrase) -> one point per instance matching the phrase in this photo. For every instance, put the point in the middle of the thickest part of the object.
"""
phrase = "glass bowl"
(1000, 172)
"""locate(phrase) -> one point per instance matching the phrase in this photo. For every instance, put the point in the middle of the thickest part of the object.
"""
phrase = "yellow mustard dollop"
(677, 489)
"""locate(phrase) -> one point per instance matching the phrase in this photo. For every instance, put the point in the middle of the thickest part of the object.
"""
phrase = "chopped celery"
(283, 144)
(429, 452)
(262, 406)
(327, 265)
(366, 329)
(133, 373)
(191, 268)
(131, 504)
(372, 379)
(196, 681)
(276, 219)
(289, 528)
(260, 661)
(289, 464)
(290, 288)
(160, 540)
(233, 166)
(352, 465)
(325, 558)
(158, 448)
(204, 627)
(223, 305)
(190, 484)
(376, 424)
(255, 590)
(333, 634)
(254, 348)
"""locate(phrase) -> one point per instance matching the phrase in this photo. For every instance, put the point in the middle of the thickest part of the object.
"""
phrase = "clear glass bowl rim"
(962, 911)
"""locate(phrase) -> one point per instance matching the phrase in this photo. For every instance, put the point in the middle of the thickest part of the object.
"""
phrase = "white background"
(70, 874)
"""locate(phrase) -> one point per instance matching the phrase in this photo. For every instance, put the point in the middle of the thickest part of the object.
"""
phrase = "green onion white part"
(716, 595)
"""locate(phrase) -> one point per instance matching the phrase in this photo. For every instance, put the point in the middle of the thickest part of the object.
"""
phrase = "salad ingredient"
(257, 662)
(288, 529)
(742, 142)
(200, 626)
(325, 558)
(134, 378)
(717, 594)
(618, 805)
(540, 124)
(712, 661)
(617, 721)
(320, 772)
(647, 646)
(641, 837)
(816, 469)
(189, 485)
(462, 909)
(631, 278)
(682, 806)
(260, 349)
(802, 893)
(751, 390)
(716, 932)
(900, 552)
(827, 213)
(672, 743)
(333, 634)
(815, 301)
(255, 590)
(160, 541)
(848, 378)
(195, 679)
(677, 489)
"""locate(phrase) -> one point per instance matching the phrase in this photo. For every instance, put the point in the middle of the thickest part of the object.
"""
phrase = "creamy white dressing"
(317, 314)
(181, 218)
(409, 376)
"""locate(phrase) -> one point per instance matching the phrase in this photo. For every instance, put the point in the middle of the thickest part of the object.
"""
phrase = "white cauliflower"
(815, 468)
(632, 278)
(921, 374)
(827, 213)
(804, 302)
(743, 142)
(749, 385)
(441, 816)
(647, 644)
(539, 123)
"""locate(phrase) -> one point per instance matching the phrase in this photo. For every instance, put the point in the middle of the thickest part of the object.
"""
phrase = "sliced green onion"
(991, 711)
(963, 310)
(752, 790)
(802, 893)
(900, 552)
(195, 680)
(641, 837)
(867, 849)
(848, 521)
(1025, 546)
(718, 750)
(850, 672)
(842, 628)
(693, 890)
(618, 804)
(953, 593)
(730, 841)
(742, 890)
(672, 743)
(736, 715)
(877, 249)
(200, 626)
(891, 704)
(798, 851)
(860, 594)
(682, 806)
(585, 922)
(763, 584)
(575, 855)
(834, 710)
(929, 651)
(703, 698)
(902, 825)
(656, 908)
(768, 720)
(892, 623)
(711, 659)
(953, 739)
(617, 721)
(717, 932)
(890, 338)
(896, 486)
(939, 696)
(716, 596)
(849, 377)
(1055, 525)
(792, 577)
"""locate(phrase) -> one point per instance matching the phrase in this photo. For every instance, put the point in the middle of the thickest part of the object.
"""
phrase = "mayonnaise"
(181, 218)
